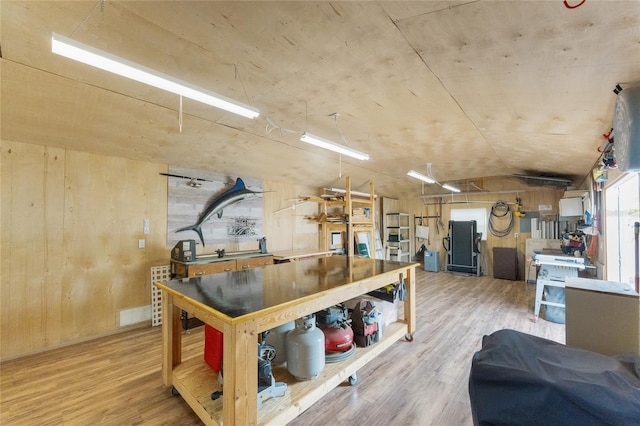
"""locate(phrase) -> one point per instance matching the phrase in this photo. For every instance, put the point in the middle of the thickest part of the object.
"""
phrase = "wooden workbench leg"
(240, 374)
(410, 300)
(171, 338)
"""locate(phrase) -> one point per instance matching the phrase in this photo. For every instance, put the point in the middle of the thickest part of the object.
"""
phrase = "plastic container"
(431, 261)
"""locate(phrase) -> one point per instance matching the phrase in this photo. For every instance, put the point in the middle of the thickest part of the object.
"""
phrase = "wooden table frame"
(239, 405)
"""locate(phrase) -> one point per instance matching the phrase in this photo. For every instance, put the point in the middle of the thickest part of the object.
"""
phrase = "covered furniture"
(519, 379)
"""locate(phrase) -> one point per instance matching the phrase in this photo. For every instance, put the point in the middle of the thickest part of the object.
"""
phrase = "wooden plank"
(171, 338)
(32, 259)
(240, 375)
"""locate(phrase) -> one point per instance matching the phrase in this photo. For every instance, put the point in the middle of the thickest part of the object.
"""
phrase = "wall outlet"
(140, 243)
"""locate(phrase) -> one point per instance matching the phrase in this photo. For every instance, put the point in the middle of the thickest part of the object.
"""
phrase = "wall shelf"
(398, 236)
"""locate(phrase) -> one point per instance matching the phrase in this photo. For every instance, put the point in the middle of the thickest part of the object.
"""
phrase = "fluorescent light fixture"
(97, 58)
(420, 176)
(358, 193)
(323, 143)
(450, 187)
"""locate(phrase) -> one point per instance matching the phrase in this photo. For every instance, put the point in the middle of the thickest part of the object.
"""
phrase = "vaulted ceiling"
(477, 89)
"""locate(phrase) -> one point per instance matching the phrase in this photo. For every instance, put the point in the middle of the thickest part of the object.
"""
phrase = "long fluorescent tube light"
(97, 58)
(420, 176)
(344, 191)
(450, 187)
(323, 143)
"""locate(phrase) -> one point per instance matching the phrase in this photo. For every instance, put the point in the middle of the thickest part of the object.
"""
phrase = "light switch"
(145, 227)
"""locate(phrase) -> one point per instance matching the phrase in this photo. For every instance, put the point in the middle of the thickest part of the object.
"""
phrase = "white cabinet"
(398, 236)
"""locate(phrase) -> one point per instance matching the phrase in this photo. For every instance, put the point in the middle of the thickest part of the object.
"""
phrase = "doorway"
(622, 201)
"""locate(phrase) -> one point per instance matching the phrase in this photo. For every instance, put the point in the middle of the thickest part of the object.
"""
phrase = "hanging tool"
(439, 223)
(518, 206)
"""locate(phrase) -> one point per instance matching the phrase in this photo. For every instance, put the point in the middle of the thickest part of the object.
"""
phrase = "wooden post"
(409, 301)
(171, 338)
(240, 374)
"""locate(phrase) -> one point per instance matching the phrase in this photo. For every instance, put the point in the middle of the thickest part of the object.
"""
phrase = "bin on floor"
(431, 261)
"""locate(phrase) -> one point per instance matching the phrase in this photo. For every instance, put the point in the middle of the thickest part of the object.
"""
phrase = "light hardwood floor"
(116, 380)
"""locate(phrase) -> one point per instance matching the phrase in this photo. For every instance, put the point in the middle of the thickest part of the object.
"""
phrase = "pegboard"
(158, 274)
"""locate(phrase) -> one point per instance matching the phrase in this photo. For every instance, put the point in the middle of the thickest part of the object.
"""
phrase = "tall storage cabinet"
(398, 236)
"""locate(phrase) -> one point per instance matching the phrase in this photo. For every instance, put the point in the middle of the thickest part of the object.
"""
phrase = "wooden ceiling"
(478, 89)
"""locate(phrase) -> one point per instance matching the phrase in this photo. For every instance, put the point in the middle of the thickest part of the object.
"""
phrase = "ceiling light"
(323, 143)
(450, 187)
(97, 58)
(344, 191)
(420, 176)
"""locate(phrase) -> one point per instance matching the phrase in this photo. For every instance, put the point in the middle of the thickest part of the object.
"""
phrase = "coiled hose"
(500, 210)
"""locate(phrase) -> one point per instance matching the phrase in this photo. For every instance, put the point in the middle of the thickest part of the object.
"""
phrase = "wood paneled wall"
(531, 199)
(71, 222)
(284, 224)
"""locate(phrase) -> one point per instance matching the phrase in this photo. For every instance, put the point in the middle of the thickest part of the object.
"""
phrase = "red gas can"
(213, 347)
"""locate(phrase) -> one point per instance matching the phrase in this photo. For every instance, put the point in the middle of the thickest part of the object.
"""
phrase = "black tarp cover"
(519, 379)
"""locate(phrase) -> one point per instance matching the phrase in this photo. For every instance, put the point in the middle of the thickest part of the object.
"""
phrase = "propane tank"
(305, 349)
(278, 339)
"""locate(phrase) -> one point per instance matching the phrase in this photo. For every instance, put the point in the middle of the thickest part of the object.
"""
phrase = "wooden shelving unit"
(357, 215)
(196, 380)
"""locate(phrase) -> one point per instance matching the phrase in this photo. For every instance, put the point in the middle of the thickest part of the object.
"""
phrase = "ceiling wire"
(335, 118)
(99, 3)
(180, 115)
(271, 126)
(237, 76)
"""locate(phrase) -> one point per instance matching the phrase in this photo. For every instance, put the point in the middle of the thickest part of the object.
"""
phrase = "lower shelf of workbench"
(195, 381)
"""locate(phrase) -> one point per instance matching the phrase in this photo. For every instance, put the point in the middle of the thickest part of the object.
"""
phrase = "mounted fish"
(231, 196)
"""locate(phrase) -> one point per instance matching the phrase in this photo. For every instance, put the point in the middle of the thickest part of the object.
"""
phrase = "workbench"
(243, 304)
(212, 264)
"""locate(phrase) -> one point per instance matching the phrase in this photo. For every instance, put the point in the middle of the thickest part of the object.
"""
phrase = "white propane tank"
(305, 349)
(277, 338)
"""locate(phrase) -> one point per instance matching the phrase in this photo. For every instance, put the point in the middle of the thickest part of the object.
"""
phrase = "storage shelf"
(399, 226)
(354, 222)
(195, 381)
(301, 395)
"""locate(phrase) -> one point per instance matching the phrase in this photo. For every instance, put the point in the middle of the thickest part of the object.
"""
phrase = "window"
(622, 201)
